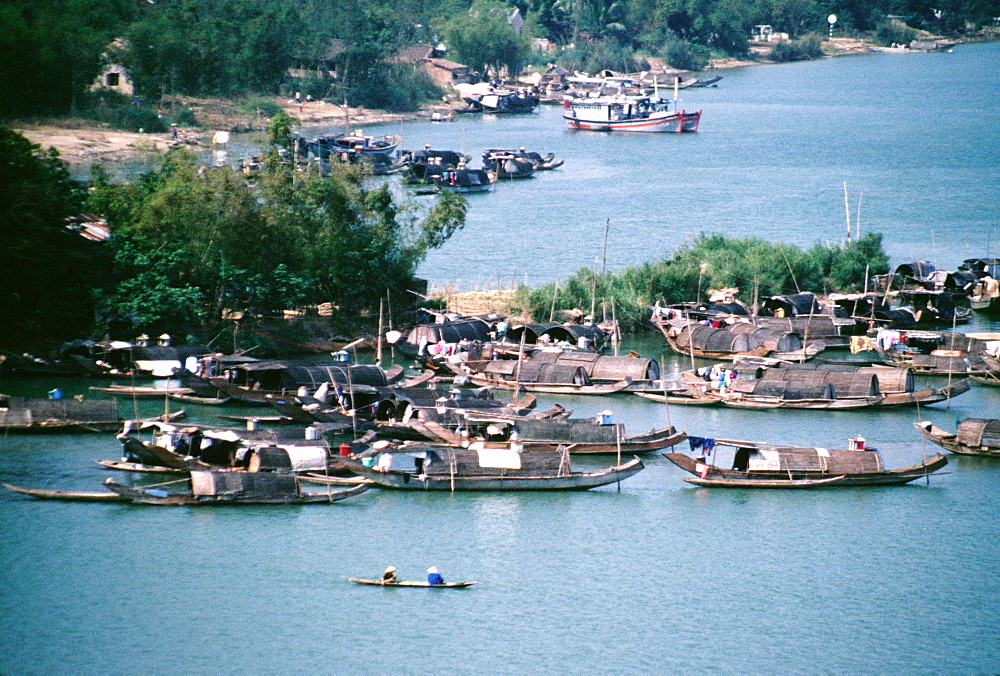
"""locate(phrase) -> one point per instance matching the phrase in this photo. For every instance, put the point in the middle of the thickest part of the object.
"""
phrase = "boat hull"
(678, 122)
(572, 481)
(790, 478)
(412, 583)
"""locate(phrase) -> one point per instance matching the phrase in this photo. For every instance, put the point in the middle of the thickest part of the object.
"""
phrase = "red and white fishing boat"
(628, 113)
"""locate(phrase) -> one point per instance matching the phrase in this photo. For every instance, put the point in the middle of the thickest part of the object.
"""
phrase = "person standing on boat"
(433, 576)
(389, 575)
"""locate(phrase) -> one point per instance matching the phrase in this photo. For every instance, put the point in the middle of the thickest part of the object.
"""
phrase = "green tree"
(48, 270)
(484, 40)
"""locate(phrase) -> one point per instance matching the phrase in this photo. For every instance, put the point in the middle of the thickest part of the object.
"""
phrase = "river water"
(656, 576)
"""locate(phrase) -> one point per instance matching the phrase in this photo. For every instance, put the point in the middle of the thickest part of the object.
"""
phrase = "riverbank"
(81, 142)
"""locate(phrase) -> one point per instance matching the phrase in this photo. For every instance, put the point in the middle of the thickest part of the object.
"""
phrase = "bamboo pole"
(847, 212)
(604, 263)
(555, 294)
(615, 335)
(663, 382)
(378, 343)
(520, 358)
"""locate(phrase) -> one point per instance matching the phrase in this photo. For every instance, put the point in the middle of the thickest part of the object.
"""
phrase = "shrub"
(808, 47)
(683, 55)
(136, 119)
(894, 34)
(184, 117)
(267, 107)
(397, 88)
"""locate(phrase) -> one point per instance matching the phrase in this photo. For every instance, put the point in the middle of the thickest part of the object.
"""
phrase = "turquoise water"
(656, 576)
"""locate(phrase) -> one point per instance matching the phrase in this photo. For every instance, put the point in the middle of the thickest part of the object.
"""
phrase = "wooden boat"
(761, 465)
(726, 341)
(629, 114)
(490, 380)
(142, 391)
(28, 415)
(579, 436)
(707, 82)
(197, 447)
(975, 436)
(72, 496)
(324, 146)
(252, 382)
(201, 401)
(477, 468)
(139, 467)
(235, 488)
(796, 387)
(990, 378)
(502, 102)
(679, 398)
(539, 162)
(507, 164)
(412, 583)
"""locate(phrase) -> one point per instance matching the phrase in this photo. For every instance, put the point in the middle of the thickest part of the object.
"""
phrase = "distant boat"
(502, 102)
(356, 141)
(707, 82)
(628, 113)
(412, 583)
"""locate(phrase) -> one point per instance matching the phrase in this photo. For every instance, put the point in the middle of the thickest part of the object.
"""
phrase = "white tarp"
(499, 458)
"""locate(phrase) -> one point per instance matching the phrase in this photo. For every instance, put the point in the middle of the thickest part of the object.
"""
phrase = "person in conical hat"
(389, 575)
(433, 576)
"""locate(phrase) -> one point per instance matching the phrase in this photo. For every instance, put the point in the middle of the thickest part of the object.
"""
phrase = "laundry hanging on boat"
(701, 445)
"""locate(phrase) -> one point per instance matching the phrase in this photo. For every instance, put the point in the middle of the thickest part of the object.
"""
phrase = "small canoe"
(203, 401)
(139, 467)
(412, 583)
(141, 392)
(762, 483)
(73, 496)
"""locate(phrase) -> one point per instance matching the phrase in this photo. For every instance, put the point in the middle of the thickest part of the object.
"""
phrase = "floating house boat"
(720, 340)
(29, 415)
(975, 436)
(235, 488)
(761, 465)
(580, 436)
(173, 447)
(250, 382)
(477, 468)
(821, 387)
(935, 353)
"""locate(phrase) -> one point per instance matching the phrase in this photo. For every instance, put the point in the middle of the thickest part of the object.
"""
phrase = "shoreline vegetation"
(82, 142)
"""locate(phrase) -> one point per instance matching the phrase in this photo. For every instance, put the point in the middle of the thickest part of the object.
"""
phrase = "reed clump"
(757, 267)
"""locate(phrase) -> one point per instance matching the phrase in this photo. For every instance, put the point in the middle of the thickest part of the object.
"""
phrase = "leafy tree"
(194, 241)
(48, 270)
(484, 40)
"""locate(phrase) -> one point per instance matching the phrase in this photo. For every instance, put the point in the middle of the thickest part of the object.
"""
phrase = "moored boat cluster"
(357, 426)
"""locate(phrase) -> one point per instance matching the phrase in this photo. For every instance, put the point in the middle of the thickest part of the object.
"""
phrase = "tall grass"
(754, 266)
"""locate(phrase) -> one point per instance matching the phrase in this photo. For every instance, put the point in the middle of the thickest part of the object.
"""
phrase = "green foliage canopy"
(192, 242)
(48, 270)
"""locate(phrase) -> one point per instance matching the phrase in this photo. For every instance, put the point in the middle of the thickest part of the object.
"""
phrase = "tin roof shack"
(112, 74)
(443, 72)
